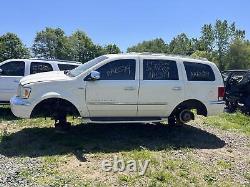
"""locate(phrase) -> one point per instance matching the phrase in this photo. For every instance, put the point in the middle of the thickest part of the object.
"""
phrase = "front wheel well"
(54, 106)
(191, 104)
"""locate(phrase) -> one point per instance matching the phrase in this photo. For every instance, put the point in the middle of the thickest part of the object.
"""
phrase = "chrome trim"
(217, 102)
(118, 103)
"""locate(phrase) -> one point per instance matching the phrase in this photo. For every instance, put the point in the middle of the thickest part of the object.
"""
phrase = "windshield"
(77, 71)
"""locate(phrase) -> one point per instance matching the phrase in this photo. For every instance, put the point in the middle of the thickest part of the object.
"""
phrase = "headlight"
(24, 92)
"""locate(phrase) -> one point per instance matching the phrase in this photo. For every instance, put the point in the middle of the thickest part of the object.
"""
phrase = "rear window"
(63, 67)
(39, 67)
(199, 72)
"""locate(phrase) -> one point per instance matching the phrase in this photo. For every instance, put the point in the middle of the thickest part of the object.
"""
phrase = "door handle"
(177, 88)
(129, 88)
(16, 81)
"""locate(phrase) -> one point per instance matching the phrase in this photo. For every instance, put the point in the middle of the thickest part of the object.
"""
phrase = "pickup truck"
(11, 72)
(117, 88)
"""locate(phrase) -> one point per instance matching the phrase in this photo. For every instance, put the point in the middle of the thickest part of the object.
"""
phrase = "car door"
(10, 76)
(115, 94)
(161, 87)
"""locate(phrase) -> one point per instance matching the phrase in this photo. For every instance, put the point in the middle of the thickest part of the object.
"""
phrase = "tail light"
(221, 93)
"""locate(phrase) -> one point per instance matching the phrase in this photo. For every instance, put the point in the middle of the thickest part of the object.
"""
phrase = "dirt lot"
(206, 152)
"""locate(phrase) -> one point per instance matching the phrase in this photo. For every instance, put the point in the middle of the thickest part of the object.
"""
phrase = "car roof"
(160, 55)
(48, 60)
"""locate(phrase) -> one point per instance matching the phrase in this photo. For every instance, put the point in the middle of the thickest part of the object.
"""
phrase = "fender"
(51, 95)
(83, 111)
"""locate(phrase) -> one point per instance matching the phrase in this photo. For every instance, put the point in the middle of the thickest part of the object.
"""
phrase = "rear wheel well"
(53, 107)
(191, 104)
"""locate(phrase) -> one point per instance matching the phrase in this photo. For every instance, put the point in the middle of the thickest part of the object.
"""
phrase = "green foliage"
(111, 49)
(155, 46)
(12, 47)
(217, 39)
(51, 44)
(181, 45)
(239, 55)
(54, 44)
(82, 48)
(215, 43)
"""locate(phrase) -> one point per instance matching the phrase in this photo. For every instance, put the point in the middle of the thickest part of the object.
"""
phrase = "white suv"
(124, 88)
(11, 71)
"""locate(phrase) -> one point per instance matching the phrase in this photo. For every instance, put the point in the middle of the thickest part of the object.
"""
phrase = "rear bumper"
(215, 107)
(20, 107)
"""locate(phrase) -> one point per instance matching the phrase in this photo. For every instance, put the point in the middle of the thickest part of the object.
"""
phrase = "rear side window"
(63, 67)
(123, 69)
(39, 67)
(13, 68)
(160, 70)
(199, 72)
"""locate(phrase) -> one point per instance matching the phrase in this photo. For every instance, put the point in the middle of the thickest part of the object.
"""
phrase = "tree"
(206, 42)
(239, 55)
(155, 46)
(12, 47)
(181, 45)
(82, 48)
(217, 38)
(204, 54)
(51, 44)
(111, 49)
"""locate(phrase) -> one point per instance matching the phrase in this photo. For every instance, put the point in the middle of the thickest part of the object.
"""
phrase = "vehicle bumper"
(215, 108)
(20, 107)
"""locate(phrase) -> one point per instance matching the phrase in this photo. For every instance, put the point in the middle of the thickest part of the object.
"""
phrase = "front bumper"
(20, 107)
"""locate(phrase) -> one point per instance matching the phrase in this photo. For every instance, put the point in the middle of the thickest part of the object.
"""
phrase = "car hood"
(45, 77)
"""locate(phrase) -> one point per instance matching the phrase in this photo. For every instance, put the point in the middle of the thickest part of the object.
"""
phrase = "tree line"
(220, 42)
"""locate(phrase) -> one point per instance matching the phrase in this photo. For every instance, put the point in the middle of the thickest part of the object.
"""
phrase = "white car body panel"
(122, 98)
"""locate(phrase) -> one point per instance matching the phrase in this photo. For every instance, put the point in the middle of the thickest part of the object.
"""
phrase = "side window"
(39, 67)
(13, 68)
(160, 70)
(123, 69)
(63, 67)
(199, 72)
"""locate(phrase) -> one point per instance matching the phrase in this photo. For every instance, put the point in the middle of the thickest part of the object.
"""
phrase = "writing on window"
(159, 70)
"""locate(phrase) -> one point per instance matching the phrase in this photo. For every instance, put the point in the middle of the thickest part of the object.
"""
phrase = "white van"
(125, 88)
(11, 72)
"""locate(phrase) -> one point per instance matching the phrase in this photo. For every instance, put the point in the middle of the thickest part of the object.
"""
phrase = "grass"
(233, 122)
(75, 158)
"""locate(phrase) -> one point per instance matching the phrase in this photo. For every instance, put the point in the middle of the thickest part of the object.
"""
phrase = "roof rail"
(165, 54)
(58, 60)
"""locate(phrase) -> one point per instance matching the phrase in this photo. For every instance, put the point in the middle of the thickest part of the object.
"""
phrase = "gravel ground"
(236, 151)
(12, 167)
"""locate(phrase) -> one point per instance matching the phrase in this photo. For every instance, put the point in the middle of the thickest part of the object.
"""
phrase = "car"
(124, 88)
(11, 72)
(237, 90)
(228, 74)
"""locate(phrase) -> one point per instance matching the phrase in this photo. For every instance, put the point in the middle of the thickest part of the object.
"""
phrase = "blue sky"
(124, 23)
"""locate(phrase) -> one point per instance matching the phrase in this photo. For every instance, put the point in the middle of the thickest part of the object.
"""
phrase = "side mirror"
(1, 71)
(95, 75)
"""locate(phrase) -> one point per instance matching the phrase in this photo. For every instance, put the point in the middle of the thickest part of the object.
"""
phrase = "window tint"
(160, 70)
(199, 72)
(14, 68)
(123, 69)
(63, 67)
(39, 67)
